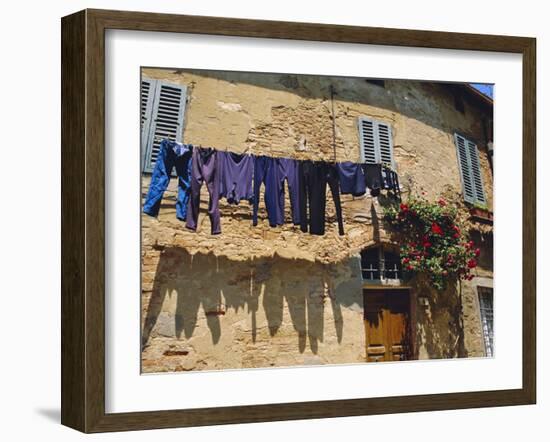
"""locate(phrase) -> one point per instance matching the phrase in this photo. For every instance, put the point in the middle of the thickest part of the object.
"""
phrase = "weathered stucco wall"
(262, 296)
(290, 115)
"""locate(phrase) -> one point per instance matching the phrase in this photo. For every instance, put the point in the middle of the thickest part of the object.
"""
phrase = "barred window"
(486, 315)
(378, 264)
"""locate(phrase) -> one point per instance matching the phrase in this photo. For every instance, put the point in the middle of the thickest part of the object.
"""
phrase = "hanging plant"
(432, 241)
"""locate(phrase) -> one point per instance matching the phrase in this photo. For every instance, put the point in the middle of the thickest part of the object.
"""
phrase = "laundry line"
(240, 176)
(293, 155)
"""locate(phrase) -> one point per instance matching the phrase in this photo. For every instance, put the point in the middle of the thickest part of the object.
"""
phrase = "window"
(376, 142)
(379, 264)
(380, 83)
(486, 314)
(162, 116)
(459, 103)
(470, 170)
(370, 264)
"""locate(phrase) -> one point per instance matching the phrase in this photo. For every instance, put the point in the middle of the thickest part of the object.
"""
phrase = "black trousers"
(373, 177)
(313, 177)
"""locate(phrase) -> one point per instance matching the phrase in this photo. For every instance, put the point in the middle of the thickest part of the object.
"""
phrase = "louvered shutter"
(470, 170)
(376, 142)
(367, 141)
(476, 172)
(167, 118)
(147, 94)
(385, 143)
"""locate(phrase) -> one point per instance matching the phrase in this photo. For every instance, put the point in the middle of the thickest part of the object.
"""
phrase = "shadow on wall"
(440, 327)
(189, 287)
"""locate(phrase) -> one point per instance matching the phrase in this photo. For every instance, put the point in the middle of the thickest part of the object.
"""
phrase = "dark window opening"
(459, 103)
(379, 264)
(381, 83)
(392, 265)
(370, 263)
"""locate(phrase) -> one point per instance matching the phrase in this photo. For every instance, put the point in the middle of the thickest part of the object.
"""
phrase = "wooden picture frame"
(83, 220)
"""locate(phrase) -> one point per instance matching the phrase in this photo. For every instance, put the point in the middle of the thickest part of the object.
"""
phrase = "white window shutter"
(367, 141)
(476, 173)
(167, 117)
(376, 142)
(147, 92)
(385, 144)
(470, 171)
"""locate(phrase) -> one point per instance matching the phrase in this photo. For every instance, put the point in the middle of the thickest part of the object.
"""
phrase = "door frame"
(413, 302)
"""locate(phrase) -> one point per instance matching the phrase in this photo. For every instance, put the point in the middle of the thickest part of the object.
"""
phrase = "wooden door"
(387, 325)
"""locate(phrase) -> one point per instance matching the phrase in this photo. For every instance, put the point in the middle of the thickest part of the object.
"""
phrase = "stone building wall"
(262, 296)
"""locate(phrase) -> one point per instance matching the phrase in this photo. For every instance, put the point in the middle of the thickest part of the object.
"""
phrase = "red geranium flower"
(406, 260)
(472, 263)
(427, 244)
(442, 202)
(477, 252)
(436, 229)
(404, 207)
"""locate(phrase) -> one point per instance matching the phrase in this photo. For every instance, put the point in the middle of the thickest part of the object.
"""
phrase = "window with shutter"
(147, 98)
(470, 170)
(376, 142)
(162, 116)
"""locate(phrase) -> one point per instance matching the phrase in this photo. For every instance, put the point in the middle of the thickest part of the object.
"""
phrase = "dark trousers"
(288, 170)
(204, 168)
(313, 180)
(266, 171)
(373, 177)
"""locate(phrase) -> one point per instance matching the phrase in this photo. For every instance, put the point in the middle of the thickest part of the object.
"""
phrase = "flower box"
(481, 214)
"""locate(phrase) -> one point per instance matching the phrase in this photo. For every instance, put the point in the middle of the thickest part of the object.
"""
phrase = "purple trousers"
(288, 170)
(204, 168)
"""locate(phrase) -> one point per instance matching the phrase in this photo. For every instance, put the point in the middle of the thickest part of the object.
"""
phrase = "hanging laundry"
(313, 179)
(171, 154)
(373, 177)
(352, 178)
(288, 170)
(204, 168)
(390, 181)
(235, 171)
(266, 171)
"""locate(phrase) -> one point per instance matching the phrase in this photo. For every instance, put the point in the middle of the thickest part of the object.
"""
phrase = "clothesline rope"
(293, 157)
(240, 176)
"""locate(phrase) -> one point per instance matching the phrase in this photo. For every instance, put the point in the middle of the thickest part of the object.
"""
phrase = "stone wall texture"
(262, 296)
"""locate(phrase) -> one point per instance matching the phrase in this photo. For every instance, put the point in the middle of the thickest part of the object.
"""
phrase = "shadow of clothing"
(189, 288)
